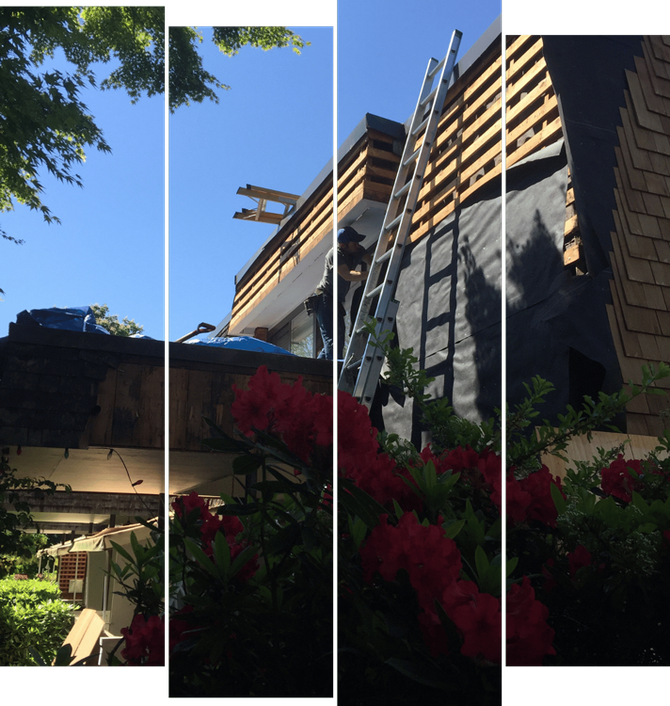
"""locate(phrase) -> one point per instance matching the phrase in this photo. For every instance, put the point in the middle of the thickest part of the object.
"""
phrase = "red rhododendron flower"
(356, 437)
(184, 505)
(383, 480)
(550, 582)
(617, 480)
(579, 558)
(529, 637)
(145, 641)
(518, 500)
(541, 506)
(433, 633)
(430, 559)
(480, 622)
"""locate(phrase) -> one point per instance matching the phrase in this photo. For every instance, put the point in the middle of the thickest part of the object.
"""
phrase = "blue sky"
(274, 128)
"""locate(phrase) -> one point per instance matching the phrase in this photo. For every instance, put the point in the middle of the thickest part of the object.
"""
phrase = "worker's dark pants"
(324, 315)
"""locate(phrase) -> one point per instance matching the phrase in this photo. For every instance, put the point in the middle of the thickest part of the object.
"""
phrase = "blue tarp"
(75, 318)
(246, 343)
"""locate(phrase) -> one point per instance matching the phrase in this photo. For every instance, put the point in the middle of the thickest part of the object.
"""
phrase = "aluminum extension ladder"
(363, 360)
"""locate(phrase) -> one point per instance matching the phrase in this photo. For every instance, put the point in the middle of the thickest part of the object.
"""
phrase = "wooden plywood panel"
(198, 404)
(178, 401)
(100, 425)
(582, 448)
(150, 426)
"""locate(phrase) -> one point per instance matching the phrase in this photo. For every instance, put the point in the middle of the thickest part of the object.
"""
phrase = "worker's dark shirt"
(351, 260)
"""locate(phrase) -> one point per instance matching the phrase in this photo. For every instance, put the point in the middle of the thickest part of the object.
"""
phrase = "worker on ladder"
(350, 255)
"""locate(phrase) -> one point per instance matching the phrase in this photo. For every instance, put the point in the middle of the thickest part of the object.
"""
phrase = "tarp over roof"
(100, 541)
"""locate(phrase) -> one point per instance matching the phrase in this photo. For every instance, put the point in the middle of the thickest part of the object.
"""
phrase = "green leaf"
(226, 444)
(120, 550)
(454, 528)
(242, 558)
(238, 509)
(199, 555)
(481, 562)
(418, 672)
(249, 463)
(222, 553)
(358, 503)
(559, 500)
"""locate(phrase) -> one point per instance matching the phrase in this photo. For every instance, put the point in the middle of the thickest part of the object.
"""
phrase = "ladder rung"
(429, 97)
(372, 294)
(403, 191)
(394, 222)
(420, 126)
(438, 66)
(354, 364)
(383, 258)
(413, 158)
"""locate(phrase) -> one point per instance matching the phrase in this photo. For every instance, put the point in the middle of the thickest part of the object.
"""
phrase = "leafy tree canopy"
(111, 322)
(43, 122)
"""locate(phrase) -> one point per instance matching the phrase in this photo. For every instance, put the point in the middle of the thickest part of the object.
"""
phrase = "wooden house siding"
(366, 172)
(640, 257)
(467, 152)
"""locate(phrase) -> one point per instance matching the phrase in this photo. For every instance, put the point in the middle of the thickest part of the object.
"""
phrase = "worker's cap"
(349, 235)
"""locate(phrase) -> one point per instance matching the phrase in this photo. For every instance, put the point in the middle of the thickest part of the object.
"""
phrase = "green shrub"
(32, 615)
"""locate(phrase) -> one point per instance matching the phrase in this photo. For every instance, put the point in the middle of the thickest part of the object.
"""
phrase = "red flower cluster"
(530, 498)
(229, 526)
(529, 637)
(302, 418)
(356, 437)
(579, 558)
(145, 641)
(433, 564)
(617, 480)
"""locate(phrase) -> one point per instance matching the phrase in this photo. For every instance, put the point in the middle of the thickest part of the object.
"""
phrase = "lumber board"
(549, 134)
(84, 635)
(536, 74)
(425, 206)
(520, 58)
(150, 427)
(100, 426)
(466, 127)
(177, 404)
(431, 220)
(453, 163)
(572, 253)
(461, 161)
(571, 225)
(198, 404)
(543, 91)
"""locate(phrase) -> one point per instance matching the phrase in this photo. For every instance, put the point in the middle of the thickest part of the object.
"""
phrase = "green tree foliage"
(43, 122)
(14, 510)
(111, 322)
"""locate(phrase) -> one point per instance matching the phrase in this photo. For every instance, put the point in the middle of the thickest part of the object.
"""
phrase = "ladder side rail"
(361, 349)
(355, 348)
